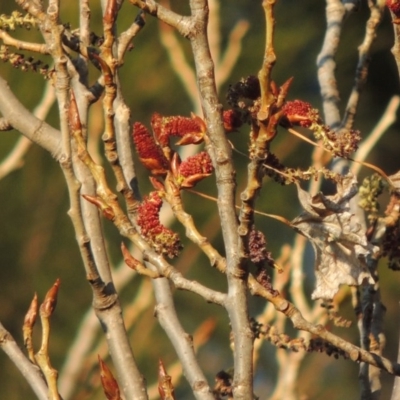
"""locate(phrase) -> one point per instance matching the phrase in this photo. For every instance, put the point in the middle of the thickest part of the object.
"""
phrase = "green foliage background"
(37, 242)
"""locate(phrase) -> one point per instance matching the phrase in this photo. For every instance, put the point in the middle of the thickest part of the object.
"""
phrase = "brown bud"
(110, 385)
(130, 261)
(30, 316)
(73, 114)
(165, 387)
(50, 301)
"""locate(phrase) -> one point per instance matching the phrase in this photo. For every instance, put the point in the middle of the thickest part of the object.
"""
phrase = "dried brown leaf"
(339, 240)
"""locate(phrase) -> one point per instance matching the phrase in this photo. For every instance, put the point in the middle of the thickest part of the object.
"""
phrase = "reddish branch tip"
(163, 240)
(150, 154)
(298, 112)
(394, 7)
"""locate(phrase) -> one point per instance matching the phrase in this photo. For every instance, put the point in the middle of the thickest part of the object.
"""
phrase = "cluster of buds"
(371, 188)
(262, 258)
(223, 385)
(322, 346)
(283, 341)
(194, 169)
(19, 61)
(155, 154)
(150, 153)
(244, 98)
(162, 239)
(17, 19)
(285, 175)
(232, 120)
(257, 248)
(190, 130)
(301, 113)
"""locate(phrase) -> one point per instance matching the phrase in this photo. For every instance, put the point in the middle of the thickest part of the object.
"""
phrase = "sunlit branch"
(371, 26)
(335, 13)
(30, 371)
(21, 45)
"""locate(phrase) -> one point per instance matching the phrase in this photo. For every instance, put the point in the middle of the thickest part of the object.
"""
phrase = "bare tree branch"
(220, 151)
(30, 371)
(25, 122)
(335, 13)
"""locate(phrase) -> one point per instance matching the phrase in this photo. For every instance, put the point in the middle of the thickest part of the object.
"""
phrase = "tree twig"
(30, 371)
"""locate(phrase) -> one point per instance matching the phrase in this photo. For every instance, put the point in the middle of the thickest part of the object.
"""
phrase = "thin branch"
(25, 122)
(21, 45)
(264, 74)
(182, 342)
(84, 22)
(200, 337)
(371, 26)
(30, 371)
(179, 63)
(354, 352)
(387, 119)
(335, 13)
(181, 23)
(396, 45)
(83, 350)
(214, 30)
(14, 160)
(35, 8)
(126, 37)
(221, 154)
(396, 386)
(224, 67)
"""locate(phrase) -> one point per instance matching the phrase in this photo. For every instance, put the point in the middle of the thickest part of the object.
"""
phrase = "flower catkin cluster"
(157, 156)
(317, 345)
(301, 113)
(198, 164)
(17, 19)
(23, 63)
(163, 240)
(394, 7)
(190, 130)
(261, 258)
(371, 188)
(257, 248)
(150, 154)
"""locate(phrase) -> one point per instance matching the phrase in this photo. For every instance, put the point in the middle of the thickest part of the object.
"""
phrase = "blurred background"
(37, 242)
